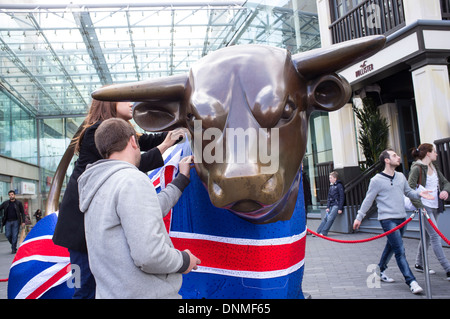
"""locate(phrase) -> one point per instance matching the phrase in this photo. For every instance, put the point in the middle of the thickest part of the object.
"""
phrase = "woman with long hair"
(425, 171)
(69, 230)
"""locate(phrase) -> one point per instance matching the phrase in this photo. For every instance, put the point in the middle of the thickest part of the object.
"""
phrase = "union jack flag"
(238, 259)
(40, 268)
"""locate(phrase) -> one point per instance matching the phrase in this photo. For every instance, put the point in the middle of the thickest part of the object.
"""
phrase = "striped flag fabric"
(238, 259)
(40, 269)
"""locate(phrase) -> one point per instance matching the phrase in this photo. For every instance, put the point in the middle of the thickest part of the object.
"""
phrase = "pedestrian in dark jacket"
(69, 230)
(13, 218)
(335, 203)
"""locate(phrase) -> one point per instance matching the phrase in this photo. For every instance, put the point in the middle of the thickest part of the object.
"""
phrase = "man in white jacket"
(130, 252)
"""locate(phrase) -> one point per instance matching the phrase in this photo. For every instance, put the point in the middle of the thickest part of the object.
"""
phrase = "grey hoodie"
(389, 193)
(130, 252)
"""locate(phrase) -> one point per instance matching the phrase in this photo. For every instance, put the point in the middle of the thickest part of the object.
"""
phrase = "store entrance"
(408, 131)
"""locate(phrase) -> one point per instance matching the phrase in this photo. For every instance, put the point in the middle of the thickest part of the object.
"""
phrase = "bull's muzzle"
(249, 195)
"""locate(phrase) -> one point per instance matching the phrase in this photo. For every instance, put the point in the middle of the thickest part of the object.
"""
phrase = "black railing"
(356, 189)
(445, 9)
(369, 18)
(443, 150)
(323, 181)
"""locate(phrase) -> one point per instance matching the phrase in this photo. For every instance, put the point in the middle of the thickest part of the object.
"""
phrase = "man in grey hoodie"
(387, 189)
(130, 252)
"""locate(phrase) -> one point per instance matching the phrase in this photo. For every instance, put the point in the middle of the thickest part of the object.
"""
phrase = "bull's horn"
(321, 61)
(168, 88)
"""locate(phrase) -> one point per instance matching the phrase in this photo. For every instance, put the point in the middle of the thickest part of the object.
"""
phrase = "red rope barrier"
(437, 230)
(4, 280)
(362, 240)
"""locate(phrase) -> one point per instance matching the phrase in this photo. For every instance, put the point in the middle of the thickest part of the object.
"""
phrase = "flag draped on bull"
(239, 259)
(40, 268)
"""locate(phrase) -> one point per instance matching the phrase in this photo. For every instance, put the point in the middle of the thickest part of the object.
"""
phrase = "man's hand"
(185, 165)
(194, 261)
(426, 194)
(356, 224)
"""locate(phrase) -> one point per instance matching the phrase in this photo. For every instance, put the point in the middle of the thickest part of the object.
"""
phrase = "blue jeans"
(433, 237)
(394, 245)
(12, 232)
(87, 280)
(327, 222)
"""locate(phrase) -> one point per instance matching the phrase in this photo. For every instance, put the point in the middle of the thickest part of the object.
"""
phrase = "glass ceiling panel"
(53, 56)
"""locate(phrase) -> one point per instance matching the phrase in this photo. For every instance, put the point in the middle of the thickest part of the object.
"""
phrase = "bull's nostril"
(270, 185)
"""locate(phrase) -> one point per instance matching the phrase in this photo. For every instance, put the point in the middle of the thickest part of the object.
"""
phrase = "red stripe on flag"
(168, 176)
(156, 181)
(44, 247)
(49, 283)
(243, 257)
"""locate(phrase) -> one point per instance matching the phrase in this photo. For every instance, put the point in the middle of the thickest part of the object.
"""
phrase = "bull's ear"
(158, 116)
(329, 93)
(159, 106)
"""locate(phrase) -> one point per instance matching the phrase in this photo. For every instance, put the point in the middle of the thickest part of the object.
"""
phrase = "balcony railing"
(445, 9)
(369, 18)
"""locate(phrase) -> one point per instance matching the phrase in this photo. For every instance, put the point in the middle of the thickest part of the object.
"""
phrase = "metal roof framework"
(53, 56)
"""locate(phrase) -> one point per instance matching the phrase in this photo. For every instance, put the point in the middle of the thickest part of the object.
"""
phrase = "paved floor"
(334, 270)
(6, 259)
(345, 271)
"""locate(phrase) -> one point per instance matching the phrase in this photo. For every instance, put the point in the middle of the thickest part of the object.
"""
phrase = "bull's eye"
(288, 111)
(190, 120)
(190, 117)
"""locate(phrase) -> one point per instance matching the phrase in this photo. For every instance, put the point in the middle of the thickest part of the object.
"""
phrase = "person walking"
(388, 189)
(69, 229)
(425, 172)
(130, 252)
(13, 219)
(38, 215)
(335, 203)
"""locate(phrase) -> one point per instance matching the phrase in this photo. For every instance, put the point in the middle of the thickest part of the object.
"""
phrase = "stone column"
(432, 97)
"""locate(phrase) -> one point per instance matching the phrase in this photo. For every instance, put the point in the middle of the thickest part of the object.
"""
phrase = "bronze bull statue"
(248, 87)
(243, 212)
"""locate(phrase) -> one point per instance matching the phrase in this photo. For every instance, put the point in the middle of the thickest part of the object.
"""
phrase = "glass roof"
(53, 56)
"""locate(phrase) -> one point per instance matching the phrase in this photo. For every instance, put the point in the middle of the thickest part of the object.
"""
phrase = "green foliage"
(374, 130)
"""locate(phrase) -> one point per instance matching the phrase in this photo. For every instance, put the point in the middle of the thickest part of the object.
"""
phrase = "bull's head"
(258, 90)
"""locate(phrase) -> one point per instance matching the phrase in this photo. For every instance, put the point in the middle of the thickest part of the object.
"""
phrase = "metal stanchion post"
(424, 254)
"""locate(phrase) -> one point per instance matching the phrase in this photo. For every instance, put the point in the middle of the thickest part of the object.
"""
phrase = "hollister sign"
(363, 69)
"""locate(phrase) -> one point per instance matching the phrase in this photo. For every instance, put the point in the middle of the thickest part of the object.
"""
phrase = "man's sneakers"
(385, 277)
(415, 288)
